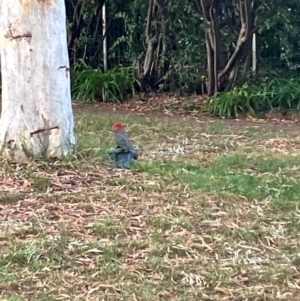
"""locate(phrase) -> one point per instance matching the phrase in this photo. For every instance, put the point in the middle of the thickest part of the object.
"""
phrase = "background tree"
(162, 39)
(173, 43)
(36, 115)
(229, 29)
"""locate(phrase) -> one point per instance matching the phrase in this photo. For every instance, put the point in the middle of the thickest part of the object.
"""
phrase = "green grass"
(208, 212)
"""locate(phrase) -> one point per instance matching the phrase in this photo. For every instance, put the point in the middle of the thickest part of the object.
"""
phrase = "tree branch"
(149, 52)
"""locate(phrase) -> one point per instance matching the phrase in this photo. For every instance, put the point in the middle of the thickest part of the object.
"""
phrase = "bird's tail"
(134, 154)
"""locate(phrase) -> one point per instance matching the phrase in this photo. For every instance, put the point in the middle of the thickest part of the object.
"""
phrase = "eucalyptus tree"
(36, 116)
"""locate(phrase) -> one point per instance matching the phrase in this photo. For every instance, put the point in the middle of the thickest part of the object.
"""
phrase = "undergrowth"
(255, 99)
(89, 84)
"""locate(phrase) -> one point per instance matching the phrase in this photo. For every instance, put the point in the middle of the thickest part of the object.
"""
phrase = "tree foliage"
(173, 43)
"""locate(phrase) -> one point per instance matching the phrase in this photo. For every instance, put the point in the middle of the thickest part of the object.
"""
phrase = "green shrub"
(233, 103)
(89, 84)
(270, 93)
(285, 93)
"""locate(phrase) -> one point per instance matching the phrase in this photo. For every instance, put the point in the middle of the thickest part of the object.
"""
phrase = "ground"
(208, 212)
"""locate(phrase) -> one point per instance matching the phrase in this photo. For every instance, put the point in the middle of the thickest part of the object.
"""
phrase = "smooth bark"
(37, 116)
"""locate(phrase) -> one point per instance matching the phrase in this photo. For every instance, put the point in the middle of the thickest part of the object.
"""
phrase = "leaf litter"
(99, 233)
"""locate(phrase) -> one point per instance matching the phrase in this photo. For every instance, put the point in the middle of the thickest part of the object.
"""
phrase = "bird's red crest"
(117, 126)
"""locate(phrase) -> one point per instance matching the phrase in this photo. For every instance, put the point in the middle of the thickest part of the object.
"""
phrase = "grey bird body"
(124, 142)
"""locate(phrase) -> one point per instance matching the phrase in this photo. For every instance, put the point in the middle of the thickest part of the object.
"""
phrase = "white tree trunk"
(37, 116)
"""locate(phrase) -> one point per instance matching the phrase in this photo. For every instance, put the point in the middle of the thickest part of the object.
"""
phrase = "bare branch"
(149, 53)
(245, 34)
(205, 5)
(239, 45)
(248, 12)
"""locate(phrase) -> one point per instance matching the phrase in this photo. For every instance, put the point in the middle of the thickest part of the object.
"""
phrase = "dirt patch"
(142, 110)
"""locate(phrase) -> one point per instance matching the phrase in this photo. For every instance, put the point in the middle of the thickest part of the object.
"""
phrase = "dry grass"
(208, 213)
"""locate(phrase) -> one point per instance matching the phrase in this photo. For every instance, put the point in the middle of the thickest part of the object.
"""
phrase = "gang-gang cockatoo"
(123, 141)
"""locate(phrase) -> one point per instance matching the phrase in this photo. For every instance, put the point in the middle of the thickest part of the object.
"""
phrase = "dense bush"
(89, 84)
(270, 93)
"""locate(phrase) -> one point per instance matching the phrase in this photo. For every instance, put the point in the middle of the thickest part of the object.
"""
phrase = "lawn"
(208, 212)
